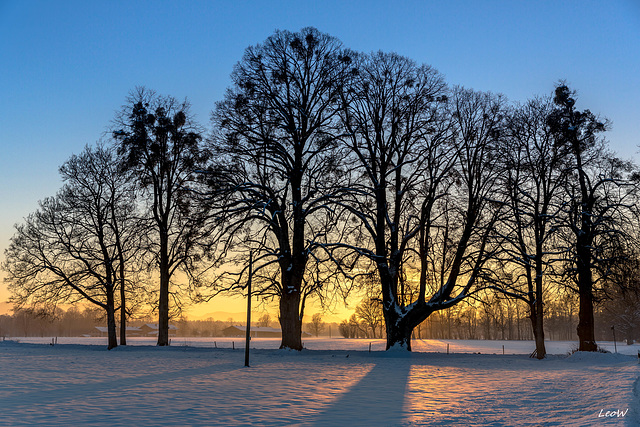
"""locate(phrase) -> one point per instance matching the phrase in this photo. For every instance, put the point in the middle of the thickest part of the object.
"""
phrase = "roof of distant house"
(257, 328)
(129, 328)
(154, 326)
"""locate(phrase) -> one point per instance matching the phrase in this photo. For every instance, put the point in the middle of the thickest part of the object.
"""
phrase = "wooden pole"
(248, 335)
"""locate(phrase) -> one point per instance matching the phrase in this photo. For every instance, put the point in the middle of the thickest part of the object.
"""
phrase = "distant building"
(256, 332)
(146, 330)
(151, 330)
(102, 331)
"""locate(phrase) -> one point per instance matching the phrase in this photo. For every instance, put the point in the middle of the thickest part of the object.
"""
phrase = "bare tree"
(369, 312)
(277, 162)
(536, 169)
(264, 320)
(598, 194)
(159, 142)
(387, 110)
(427, 168)
(316, 324)
(77, 245)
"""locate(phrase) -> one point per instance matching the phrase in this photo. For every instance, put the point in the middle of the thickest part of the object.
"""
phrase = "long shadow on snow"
(377, 397)
(85, 391)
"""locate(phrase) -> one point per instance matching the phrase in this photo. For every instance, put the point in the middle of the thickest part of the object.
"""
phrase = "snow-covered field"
(336, 382)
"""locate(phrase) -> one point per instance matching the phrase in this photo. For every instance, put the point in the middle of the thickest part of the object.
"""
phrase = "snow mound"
(599, 358)
(398, 348)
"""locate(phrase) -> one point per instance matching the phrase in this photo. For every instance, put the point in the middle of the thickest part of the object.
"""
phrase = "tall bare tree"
(425, 165)
(598, 195)
(536, 169)
(276, 164)
(159, 142)
(77, 245)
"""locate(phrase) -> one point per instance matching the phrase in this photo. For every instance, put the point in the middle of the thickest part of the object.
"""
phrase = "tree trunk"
(399, 331)
(123, 310)
(585, 329)
(290, 320)
(111, 320)
(538, 331)
(163, 309)
(538, 307)
(541, 350)
(163, 300)
(586, 326)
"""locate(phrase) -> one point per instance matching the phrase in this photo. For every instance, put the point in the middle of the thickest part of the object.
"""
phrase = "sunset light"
(319, 214)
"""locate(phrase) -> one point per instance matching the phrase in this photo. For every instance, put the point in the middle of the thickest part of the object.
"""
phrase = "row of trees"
(70, 323)
(504, 318)
(499, 318)
(76, 322)
(327, 169)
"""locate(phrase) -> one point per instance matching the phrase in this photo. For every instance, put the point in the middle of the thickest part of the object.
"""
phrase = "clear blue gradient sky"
(67, 66)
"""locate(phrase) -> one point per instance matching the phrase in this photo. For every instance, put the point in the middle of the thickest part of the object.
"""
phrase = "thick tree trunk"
(111, 321)
(398, 333)
(290, 320)
(585, 329)
(541, 350)
(163, 300)
(163, 309)
(586, 325)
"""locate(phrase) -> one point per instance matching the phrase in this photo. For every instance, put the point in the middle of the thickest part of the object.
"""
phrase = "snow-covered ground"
(336, 382)
(435, 346)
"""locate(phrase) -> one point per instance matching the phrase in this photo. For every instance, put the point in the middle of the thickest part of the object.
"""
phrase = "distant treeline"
(507, 319)
(76, 322)
(500, 319)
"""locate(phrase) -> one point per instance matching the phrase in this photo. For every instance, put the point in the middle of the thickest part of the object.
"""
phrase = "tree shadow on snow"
(377, 398)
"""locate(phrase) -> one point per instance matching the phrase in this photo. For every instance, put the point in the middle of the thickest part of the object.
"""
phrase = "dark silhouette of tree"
(387, 109)
(597, 193)
(536, 169)
(426, 170)
(276, 164)
(460, 208)
(369, 312)
(264, 320)
(159, 143)
(77, 245)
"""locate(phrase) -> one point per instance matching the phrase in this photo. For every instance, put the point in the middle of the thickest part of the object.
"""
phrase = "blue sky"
(67, 66)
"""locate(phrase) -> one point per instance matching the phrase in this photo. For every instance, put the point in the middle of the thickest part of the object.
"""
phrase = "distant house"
(256, 332)
(133, 331)
(151, 330)
(99, 331)
(102, 331)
